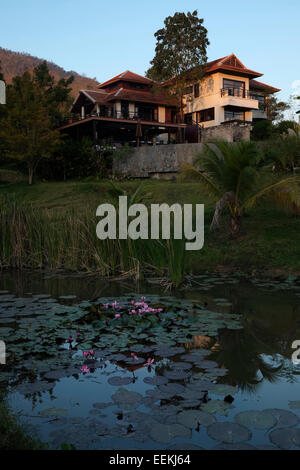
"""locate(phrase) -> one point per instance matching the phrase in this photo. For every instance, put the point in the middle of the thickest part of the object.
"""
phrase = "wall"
(164, 161)
(156, 161)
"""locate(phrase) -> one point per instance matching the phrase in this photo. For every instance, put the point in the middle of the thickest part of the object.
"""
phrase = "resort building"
(131, 109)
(228, 91)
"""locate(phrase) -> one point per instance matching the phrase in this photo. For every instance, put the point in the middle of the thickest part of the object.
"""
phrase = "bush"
(262, 130)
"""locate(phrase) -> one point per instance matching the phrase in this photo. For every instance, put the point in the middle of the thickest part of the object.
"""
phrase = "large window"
(205, 115)
(233, 83)
(234, 115)
(196, 90)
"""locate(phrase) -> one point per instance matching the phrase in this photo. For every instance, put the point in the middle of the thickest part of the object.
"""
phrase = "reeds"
(36, 238)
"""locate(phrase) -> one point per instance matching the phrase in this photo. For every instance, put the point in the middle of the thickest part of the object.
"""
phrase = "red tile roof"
(142, 96)
(127, 76)
(256, 85)
(230, 63)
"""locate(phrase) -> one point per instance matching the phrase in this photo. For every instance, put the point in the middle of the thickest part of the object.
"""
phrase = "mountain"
(16, 63)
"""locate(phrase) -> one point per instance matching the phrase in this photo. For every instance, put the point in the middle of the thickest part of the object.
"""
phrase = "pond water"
(207, 367)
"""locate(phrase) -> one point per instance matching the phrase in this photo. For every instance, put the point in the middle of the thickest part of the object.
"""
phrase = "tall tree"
(180, 53)
(27, 128)
(275, 109)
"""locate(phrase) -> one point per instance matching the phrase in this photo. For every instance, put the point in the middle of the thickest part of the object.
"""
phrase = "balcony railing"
(237, 92)
(114, 114)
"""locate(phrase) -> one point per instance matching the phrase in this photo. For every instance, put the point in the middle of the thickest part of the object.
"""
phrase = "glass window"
(233, 83)
(232, 115)
(205, 115)
(196, 90)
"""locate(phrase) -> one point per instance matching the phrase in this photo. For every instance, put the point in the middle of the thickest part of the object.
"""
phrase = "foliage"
(12, 435)
(262, 130)
(180, 52)
(73, 159)
(234, 176)
(282, 127)
(275, 109)
(35, 107)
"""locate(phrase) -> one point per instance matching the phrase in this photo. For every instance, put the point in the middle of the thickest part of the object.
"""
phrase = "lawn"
(269, 240)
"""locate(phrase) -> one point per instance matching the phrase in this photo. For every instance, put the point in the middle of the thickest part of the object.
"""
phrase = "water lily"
(149, 361)
(117, 315)
(106, 305)
(91, 352)
(84, 369)
(134, 357)
(85, 354)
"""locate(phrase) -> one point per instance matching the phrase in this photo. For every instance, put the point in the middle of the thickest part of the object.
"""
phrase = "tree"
(56, 94)
(298, 98)
(180, 53)
(26, 127)
(262, 130)
(36, 106)
(275, 108)
(233, 175)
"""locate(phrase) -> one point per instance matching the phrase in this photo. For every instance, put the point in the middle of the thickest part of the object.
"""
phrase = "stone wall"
(229, 131)
(164, 161)
(157, 161)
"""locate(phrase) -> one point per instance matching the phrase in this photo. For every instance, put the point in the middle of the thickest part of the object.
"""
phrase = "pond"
(115, 365)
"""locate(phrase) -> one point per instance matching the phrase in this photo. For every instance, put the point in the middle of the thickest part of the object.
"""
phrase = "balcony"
(238, 97)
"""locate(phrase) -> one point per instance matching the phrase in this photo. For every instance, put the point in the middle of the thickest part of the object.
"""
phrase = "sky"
(102, 38)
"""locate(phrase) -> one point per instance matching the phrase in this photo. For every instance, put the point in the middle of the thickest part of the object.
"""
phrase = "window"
(206, 115)
(196, 90)
(188, 90)
(233, 83)
(234, 115)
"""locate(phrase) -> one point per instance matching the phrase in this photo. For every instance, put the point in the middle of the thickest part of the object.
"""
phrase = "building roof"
(230, 63)
(256, 85)
(142, 96)
(127, 76)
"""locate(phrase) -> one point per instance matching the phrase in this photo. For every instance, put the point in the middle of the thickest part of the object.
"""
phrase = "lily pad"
(191, 418)
(156, 380)
(53, 412)
(256, 419)
(230, 433)
(126, 399)
(284, 417)
(119, 380)
(216, 406)
(285, 438)
(164, 433)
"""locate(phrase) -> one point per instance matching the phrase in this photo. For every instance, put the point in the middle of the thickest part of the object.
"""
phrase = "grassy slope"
(270, 238)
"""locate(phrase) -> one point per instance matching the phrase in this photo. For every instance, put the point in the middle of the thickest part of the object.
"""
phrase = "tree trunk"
(220, 206)
(30, 175)
(235, 225)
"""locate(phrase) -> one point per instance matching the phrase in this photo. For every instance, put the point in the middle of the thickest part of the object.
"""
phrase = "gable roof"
(127, 76)
(230, 63)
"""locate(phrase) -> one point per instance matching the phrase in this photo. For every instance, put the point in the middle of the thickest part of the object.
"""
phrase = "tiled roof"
(127, 76)
(142, 96)
(256, 85)
(228, 63)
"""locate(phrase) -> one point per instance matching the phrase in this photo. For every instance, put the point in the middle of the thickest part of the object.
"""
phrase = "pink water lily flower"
(91, 352)
(84, 369)
(106, 305)
(85, 354)
(117, 315)
(149, 361)
(134, 357)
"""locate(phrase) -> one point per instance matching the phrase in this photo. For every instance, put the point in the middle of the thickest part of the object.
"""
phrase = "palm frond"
(285, 192)
(188, 171)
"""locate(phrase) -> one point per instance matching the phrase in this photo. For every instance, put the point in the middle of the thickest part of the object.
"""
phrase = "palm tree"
(235, 175)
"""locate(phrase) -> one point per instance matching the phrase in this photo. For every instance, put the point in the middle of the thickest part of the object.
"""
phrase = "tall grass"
(42, 239)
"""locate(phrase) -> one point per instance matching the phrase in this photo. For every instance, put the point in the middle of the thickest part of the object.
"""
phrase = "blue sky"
(103, 38)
